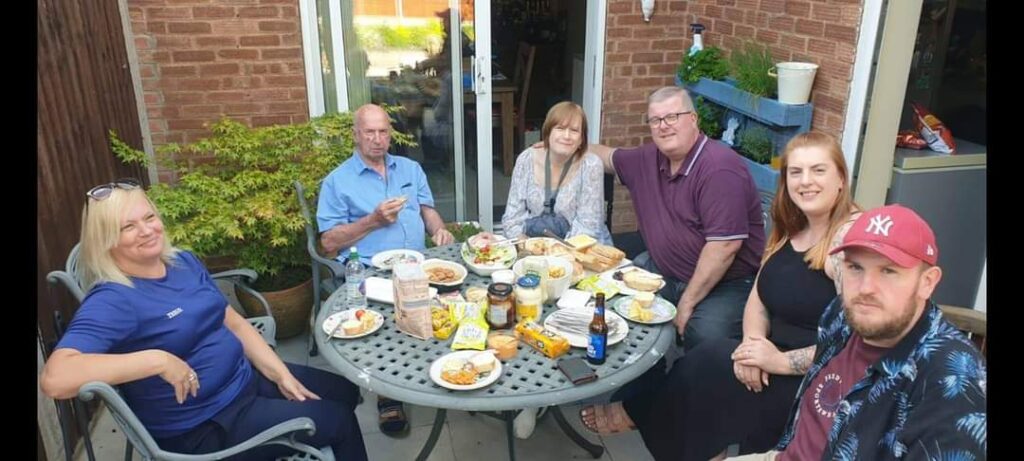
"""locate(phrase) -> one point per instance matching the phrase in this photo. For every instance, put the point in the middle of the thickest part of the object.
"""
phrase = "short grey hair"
(668, 92)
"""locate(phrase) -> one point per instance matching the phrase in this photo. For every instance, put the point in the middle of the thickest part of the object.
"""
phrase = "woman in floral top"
(563, 171)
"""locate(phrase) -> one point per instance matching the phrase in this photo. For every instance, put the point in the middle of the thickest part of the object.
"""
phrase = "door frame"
(593, 84)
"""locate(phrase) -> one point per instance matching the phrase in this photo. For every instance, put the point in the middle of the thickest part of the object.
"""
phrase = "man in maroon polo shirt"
(699, 215)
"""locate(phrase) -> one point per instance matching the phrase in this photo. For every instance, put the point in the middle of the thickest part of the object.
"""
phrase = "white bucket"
(795, 81)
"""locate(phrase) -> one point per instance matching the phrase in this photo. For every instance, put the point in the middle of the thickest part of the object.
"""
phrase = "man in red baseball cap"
(891, 379)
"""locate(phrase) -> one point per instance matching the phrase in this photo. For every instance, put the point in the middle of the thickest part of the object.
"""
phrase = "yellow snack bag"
(472, 334)
(442, 321)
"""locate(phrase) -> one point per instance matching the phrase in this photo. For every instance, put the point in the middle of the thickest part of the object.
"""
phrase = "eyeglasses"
(103, 191)
(669, 119)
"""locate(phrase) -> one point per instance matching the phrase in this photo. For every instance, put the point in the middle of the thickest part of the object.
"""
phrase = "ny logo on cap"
(880, 225)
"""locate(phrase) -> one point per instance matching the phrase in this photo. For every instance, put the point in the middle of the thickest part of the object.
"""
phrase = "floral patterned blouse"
(580, 200)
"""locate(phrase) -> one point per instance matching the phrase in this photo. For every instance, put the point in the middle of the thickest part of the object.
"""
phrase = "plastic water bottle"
(354, 276)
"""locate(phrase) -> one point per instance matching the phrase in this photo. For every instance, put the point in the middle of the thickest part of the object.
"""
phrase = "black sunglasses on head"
(103, 191)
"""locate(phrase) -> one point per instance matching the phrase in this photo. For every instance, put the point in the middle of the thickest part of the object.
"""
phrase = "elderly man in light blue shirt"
(375, 200)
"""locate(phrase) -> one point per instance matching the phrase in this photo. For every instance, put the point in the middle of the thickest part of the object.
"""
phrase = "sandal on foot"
(392, 419)
(606, 421)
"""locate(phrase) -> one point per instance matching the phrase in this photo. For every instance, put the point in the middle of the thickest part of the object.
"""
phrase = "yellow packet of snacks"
(472, 334)
(442, 321)
(461, 311)
(595, 285)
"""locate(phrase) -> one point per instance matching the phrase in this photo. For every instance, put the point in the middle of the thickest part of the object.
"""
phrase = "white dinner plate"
(580, 320)
(609, 276)
(385, 259)
(663, 310)
(482, 381)
(332, 321)
(382, 290)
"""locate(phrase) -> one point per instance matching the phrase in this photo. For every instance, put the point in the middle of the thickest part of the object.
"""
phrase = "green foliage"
(462, 231)
(704, 63)
(709, 116)
(755, 142)
(235, 194)
(750, 66)
(427, 36)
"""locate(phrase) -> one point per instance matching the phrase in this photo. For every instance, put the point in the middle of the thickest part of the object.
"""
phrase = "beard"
(873, 329)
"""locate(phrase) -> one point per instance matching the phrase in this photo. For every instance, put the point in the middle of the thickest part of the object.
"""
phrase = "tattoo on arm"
(800, 359)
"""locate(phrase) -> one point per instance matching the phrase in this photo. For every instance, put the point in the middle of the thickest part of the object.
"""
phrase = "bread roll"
(642, 281)
(482, 362)
(352, 327)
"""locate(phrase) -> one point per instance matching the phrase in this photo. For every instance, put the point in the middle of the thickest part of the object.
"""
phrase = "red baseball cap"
(895, 232)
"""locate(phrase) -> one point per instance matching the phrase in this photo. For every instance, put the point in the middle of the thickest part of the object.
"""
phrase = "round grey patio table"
(396, 365)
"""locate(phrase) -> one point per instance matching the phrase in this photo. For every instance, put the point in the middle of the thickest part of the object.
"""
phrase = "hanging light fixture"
(647, 7)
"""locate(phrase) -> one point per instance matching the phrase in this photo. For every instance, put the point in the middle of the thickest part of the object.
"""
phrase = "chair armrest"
(241, 278)
(69, 282)
(248, 275)
(282, 433)
(970, 320)
(332, 265)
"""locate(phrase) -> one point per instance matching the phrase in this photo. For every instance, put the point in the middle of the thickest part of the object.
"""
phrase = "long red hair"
(788, 219)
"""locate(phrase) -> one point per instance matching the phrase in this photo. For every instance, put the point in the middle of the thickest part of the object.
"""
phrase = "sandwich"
(582, 241)
(483, 362)
(642, 280)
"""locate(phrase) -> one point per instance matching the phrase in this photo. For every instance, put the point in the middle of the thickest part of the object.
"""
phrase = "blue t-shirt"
(181, 313)
(354, 190)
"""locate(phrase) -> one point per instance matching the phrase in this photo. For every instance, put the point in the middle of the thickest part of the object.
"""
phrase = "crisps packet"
(939, 138)
(472, 334)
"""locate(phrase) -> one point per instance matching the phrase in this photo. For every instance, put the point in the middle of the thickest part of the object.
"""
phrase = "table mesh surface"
(397, 365)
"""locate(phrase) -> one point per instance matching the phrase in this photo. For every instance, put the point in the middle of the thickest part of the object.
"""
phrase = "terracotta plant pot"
(290, 307)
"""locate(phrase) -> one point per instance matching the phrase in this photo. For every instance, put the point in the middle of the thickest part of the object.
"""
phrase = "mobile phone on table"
(577, 370)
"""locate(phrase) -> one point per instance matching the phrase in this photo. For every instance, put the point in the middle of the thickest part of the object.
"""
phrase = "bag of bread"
(412, 300)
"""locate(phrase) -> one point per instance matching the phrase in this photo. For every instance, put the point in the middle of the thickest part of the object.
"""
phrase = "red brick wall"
(201, 59)
(641, 57)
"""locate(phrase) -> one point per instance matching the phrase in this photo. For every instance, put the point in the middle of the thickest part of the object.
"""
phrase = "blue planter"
(767, 111)
(766, 179)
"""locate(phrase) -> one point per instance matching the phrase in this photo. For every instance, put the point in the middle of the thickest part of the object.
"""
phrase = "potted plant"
(706, 63)
(709, 116)
(751, 65)
(756, 144)
(234, 197)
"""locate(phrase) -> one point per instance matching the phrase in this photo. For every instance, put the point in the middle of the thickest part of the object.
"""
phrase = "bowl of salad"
(485, 253)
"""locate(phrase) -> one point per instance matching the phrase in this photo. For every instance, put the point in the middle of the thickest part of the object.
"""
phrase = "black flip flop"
(392, 419)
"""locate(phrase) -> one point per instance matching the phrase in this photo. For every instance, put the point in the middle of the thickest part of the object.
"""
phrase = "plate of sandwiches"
(353, 323)
(466, 370)
(632, 280)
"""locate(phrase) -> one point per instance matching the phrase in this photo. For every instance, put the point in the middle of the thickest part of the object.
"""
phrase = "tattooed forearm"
(800, 359)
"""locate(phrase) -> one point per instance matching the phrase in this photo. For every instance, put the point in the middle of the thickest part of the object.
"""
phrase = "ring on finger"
(191, 376)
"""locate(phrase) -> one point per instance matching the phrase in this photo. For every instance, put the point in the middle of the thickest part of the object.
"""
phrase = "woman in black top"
(729, 391)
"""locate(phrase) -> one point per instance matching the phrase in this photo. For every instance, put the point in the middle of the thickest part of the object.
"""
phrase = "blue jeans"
(261, 405)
